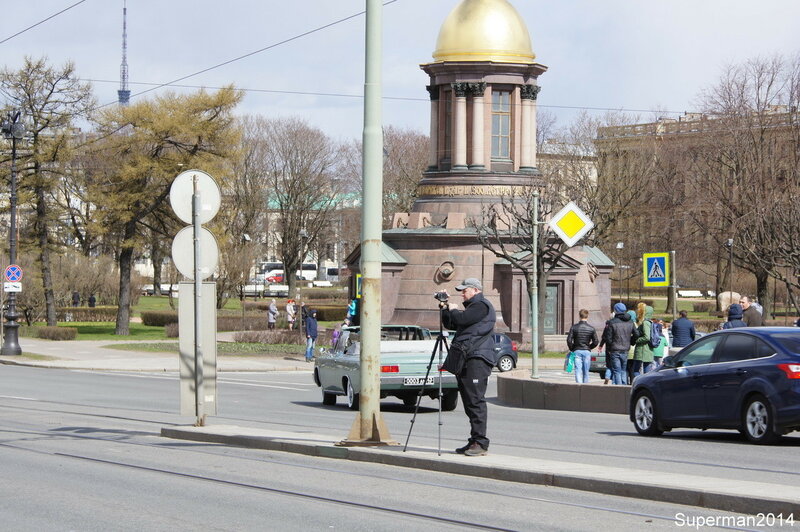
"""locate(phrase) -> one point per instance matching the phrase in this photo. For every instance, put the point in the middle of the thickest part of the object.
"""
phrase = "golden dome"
(484, 30)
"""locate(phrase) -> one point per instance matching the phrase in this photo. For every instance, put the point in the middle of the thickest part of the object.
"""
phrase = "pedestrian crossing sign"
(655, 269)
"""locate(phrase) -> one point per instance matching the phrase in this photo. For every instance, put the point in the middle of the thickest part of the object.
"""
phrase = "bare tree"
(300, 163)
(602, 186)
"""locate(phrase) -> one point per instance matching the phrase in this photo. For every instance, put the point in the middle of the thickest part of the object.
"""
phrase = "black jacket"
(581, 337)
(618, 334)
(474, 327)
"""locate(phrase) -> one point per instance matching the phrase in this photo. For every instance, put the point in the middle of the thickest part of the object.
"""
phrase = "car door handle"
(741, 372)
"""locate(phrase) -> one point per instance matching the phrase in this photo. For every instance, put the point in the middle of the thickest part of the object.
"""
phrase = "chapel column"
(477, 90)
(528, 95)
(433, 160)
(460, 126)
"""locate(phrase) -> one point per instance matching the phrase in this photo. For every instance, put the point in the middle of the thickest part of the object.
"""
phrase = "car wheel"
(352, 396)
(757, 421)
(328, 399)
(506, 363)
(645, 418)
(410, 400)
(449, 400)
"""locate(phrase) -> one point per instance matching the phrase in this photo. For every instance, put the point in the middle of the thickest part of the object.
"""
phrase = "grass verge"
(224, 348)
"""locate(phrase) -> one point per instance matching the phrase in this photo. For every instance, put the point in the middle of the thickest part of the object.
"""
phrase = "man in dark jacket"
(750, 315)
(474, 327)
(682, 331)
(311, 334)
(617, 339)
(734, 317)
(581, 339)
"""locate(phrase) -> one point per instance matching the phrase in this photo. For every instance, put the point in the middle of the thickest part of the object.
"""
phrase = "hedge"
(106, 313)
(704, 306)
(159, 318)
(49, 333)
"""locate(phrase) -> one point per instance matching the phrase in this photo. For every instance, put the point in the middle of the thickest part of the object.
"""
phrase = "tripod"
(441, 341)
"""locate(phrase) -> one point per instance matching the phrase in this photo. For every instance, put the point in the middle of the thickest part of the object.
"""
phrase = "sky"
(650, 57)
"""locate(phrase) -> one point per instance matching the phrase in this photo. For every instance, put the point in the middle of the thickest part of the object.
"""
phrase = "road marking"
(15, 397)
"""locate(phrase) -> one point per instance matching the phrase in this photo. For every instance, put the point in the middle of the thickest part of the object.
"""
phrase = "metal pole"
(674, 287)
(198, 348)
(369, 428)
(730, 267)
(535, 288)
(11, 332)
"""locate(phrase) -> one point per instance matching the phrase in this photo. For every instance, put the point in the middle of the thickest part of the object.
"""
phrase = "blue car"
(746, 379)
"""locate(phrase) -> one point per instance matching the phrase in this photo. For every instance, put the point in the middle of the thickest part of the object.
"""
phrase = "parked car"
(506, 350)
(406, 351)
(745, 378)
(275, 278)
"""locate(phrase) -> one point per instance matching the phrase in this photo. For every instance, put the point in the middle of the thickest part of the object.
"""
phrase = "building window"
(501, 124)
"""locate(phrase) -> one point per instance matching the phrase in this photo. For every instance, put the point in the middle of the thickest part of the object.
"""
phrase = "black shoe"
(462, 450)
(475, 450)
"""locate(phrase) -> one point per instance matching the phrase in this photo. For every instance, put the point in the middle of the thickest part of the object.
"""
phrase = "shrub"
(159, 318)
(236, 323)
(703, 306)
(324, 293)
(93, 314)
(171, 330)
(256, 306)
(276, 336)
(709, 325)
(57, 333)
(330, 312)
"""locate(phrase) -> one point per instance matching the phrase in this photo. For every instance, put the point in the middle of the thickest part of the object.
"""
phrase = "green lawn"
(105, 331)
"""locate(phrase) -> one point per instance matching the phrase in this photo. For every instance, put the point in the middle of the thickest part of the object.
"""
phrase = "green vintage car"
(405, 354)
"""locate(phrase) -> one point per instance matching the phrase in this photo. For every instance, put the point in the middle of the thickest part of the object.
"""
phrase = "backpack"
(655, 334)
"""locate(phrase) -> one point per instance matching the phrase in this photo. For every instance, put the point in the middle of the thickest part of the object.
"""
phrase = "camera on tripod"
(441, 297)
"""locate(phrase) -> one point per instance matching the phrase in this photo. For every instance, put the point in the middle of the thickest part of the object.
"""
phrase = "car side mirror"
(668, 362)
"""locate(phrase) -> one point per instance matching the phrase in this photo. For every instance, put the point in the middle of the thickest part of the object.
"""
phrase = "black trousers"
(472, 383)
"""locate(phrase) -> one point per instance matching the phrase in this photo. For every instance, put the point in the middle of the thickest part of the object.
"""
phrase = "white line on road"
(15, 397)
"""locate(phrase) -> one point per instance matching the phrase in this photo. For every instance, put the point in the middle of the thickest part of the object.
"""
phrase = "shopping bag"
(569, 362)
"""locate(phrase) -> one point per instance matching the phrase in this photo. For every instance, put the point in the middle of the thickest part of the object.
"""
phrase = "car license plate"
(417, 381)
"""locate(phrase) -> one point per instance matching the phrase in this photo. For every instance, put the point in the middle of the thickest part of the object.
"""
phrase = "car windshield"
(789, 341)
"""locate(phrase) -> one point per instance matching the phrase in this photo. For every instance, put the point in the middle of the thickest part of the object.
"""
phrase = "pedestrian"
(663, 345)
(303, 315)
(351, 312)
(734, 317)
(581, 339)
(76, 298)
(617, 338)
(683, 332)
(629, 362)
(797, 323)
(750, 314)
(272, 315)
(643, 353)
(311, 334)
(291, 311)
(92, 301)
(474, 340)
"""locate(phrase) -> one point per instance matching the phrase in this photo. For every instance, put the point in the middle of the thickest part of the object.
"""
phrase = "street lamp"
(12, 129)
(627, 281)
(729, 245)
(620, 245)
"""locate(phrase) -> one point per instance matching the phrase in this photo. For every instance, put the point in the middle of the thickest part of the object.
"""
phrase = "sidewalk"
(93, 355)
(744, 497)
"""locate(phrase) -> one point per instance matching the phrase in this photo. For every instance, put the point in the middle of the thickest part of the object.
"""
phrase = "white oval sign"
(183, 252)
(182, 189)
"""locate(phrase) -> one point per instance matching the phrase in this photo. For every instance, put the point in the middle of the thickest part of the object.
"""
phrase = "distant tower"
(124, 94)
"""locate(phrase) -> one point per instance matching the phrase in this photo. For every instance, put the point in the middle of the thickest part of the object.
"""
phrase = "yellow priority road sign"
(655, 269)
(571, 224)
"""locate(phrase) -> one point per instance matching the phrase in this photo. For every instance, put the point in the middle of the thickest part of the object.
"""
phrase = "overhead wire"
(343, 95)
(249, 54)
(42, 21)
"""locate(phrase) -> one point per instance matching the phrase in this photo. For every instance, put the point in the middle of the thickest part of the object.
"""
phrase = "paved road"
(80, 450)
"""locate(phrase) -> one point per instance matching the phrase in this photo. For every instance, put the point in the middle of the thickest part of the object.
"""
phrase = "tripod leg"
(440, 340)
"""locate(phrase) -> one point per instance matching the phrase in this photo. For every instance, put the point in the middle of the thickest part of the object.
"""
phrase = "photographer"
(473, 350)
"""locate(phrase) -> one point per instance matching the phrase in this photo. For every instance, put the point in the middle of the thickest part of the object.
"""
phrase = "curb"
(720, 494)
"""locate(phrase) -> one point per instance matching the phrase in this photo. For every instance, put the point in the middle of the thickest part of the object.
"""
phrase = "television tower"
(124, 94)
